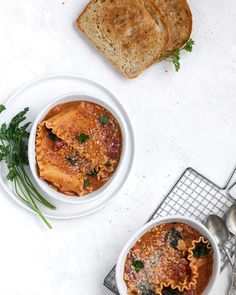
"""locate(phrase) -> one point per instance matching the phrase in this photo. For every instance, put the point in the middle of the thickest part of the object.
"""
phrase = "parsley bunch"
(13, 151)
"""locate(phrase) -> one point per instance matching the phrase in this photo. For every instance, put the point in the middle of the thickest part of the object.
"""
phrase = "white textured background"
(180, 119)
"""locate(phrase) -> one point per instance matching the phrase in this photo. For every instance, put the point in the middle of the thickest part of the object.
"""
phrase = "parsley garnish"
(172, 237)
(200, 250)
(175, 55)
(82, 137)
(13, 151)
(71, 160)
(189, 45)
(93, 172)
(108, 164)
(2, 108)
(138, 265)
(52, 136)
(86, 183)
(104, 120)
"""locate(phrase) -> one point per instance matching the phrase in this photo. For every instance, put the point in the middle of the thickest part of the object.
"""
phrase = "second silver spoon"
(218, 229)
(231, 225)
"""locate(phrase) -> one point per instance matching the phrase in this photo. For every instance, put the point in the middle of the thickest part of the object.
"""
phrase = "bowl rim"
(124, 122)
(167, 219)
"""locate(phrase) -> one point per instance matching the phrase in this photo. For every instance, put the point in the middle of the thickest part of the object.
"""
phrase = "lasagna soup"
(78, 147)
(169, 259)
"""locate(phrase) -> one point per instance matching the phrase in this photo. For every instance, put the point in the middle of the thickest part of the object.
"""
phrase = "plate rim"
(31, 82)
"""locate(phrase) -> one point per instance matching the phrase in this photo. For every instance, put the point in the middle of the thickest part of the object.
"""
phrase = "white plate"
(36, 95)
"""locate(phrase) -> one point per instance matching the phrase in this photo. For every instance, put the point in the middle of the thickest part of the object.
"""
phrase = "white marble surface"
(180, 119)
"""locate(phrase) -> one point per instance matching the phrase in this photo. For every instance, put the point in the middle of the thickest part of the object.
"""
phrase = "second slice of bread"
(131, 33)
(178, 18)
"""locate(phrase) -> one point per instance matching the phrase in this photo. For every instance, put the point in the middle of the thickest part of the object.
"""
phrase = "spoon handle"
(232, 290)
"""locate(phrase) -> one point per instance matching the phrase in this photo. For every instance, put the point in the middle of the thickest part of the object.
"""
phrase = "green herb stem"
(174, 56)
(13, 151)
(39, 197)
(29, 196)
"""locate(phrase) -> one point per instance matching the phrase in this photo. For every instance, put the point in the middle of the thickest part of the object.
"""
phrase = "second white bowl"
(193, 223)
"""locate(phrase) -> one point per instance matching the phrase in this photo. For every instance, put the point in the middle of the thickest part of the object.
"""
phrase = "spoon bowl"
(231, 225)
(218, 229)
(231, 219)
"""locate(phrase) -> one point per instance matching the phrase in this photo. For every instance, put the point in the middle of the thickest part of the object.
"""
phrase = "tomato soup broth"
(78, 147)
(169, 259)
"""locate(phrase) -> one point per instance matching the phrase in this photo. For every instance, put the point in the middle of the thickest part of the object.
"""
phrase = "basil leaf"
(200, 250)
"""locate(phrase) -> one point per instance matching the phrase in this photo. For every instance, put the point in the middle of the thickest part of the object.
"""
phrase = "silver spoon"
(231, 224)
(218, 229)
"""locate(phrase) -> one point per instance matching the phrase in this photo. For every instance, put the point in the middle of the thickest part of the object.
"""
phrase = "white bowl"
(193, 223)
(126, 159)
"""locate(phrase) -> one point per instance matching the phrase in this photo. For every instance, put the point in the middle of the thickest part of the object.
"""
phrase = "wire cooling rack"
(194, 196)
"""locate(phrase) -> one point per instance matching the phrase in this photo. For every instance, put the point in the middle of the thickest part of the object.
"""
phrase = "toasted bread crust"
(178, 18)
(125, 31)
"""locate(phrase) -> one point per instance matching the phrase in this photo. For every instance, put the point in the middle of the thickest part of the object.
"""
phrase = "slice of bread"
(131, 33)
(178, 18)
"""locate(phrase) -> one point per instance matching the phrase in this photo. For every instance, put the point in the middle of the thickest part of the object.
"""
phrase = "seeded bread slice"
(126, 32)
(178, 18)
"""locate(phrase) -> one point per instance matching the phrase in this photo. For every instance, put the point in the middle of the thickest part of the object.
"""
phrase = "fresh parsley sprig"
(13, 151)
(175, 55)
(189, 45)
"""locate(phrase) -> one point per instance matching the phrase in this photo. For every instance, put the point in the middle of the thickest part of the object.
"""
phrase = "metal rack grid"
(194, 196)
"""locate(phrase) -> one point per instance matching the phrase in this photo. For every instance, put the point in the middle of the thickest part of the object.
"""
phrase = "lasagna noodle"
(63, 182)
(203, 264)
(53, 166)
(76, 120)
(199, 262)
(189, 282)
